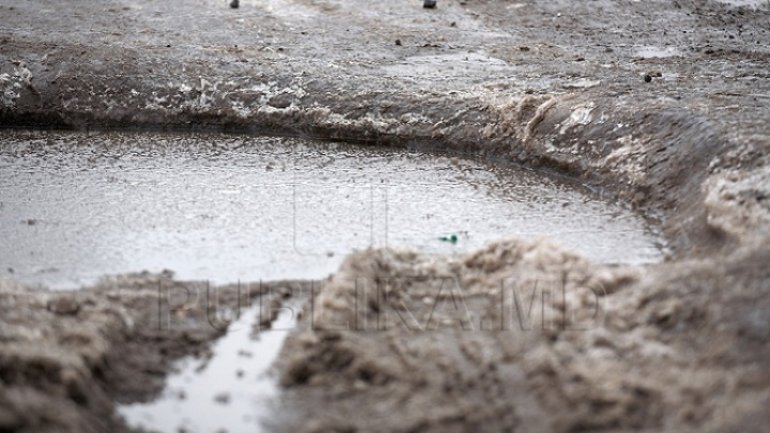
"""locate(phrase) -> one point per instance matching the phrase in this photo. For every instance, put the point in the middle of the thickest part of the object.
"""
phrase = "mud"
(662, 105)
(68, 357)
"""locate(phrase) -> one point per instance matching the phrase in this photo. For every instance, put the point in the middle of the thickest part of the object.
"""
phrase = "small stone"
(234, 4)
(281, 101)
(398, 42)
(523, 48)
(647, 78)
(64, 305)
(222, 398)
(194, 337)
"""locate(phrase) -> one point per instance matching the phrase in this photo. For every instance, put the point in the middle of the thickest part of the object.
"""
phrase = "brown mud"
(662, 104)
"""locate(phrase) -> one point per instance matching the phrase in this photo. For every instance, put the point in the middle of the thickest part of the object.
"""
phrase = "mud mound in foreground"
(523, 336)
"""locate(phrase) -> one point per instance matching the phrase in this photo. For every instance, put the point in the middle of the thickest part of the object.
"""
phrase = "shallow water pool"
(233, 391)
(75, 207)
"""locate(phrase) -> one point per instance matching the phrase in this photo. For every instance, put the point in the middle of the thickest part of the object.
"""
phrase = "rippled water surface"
(75, 207)
(233, 391)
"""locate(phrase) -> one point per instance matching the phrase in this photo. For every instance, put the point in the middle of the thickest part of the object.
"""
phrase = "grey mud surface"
(662, 104)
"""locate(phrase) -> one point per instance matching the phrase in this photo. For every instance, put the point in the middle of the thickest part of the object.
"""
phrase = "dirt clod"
(64, 305)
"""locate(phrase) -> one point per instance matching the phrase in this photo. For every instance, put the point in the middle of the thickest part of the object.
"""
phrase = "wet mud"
(662, 106)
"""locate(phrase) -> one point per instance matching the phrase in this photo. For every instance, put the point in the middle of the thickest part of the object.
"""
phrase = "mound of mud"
(67, 357)
(491, 342)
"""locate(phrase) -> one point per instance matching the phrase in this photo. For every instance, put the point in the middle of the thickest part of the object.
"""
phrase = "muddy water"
(75, 207)
(230, 392)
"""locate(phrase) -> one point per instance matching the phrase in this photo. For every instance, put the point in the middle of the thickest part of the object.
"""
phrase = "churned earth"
(661, 104)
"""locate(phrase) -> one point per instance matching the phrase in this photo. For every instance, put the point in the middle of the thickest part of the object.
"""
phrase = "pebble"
(65, 306)
(223, 398)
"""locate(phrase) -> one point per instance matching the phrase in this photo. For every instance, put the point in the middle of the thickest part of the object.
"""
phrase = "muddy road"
(660, 106)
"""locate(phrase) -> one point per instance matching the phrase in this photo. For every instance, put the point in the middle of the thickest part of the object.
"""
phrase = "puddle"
(76, 207)
(746, 3)
(449, 66)
(652, 52)
(230, 392)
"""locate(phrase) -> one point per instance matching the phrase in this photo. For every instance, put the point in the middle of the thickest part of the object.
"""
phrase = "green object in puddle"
(452, 239)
